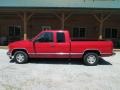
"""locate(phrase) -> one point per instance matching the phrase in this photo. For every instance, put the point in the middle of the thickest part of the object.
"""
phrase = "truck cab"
(52, 44)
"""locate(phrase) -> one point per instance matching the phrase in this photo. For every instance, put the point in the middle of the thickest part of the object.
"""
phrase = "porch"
(19, 24)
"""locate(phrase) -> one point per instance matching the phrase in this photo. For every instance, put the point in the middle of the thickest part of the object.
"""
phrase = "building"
(85, 19)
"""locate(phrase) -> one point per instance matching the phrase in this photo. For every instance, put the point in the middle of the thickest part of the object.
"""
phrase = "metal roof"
(112, 4)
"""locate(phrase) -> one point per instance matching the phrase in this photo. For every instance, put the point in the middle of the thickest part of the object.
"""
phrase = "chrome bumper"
(10, 55)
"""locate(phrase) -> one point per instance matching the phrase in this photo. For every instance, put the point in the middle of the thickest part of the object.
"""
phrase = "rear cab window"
(60, 37)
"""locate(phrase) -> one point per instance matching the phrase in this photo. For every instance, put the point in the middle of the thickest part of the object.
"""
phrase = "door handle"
(52, 45)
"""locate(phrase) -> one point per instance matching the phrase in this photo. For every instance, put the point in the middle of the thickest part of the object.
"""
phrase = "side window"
(78, 32)
(60, 37)
(46, 37)
(14, 31)
(111, 33)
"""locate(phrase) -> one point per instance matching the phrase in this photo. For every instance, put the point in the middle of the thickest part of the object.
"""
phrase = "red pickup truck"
(57, 44)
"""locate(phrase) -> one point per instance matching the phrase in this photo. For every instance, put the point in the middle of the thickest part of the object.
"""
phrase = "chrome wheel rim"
(91, 59)
(20, 57)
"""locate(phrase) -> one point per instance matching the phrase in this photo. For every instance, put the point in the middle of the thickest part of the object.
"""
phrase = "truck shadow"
(63, 61)
(57, 61)
(104, 62)
(66, 61)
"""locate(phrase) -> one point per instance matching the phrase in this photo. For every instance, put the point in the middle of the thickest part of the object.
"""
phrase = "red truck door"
(62, 45)
(44, 45)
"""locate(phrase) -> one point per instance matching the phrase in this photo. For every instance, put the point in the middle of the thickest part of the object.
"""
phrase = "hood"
(19, 43)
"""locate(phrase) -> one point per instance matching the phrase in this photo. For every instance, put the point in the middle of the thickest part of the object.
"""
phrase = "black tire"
(20, 57)
(91, 59)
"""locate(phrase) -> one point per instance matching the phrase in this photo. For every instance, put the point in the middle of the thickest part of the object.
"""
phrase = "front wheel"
(91, 59)
(20, 57)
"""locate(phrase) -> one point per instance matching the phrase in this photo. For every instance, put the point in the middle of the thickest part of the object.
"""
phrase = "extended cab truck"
(57, 44)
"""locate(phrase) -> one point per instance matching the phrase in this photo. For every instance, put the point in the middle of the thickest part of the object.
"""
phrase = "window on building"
(46, 27)
(14, 30)
(60, 37)
(45, 37)
(111, 33)
(78, 32)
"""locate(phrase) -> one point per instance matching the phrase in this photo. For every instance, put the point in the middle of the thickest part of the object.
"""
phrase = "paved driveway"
(59, 74)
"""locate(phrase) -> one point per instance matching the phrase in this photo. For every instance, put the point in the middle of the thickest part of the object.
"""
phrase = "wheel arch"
(92, 51)
(19, 49)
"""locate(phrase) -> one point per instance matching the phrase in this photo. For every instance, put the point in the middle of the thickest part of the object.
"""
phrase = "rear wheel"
(91, 59)
(20, 57)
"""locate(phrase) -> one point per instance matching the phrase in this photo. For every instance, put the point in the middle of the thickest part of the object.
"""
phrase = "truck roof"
(56, 30)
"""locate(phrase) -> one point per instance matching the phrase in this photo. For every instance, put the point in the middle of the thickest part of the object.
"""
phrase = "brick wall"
(79, 20)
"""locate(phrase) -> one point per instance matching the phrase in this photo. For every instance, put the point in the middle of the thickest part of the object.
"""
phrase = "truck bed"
(88, 40)
(101, 45)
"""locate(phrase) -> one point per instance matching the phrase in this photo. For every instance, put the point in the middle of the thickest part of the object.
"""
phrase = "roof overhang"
(99, 4)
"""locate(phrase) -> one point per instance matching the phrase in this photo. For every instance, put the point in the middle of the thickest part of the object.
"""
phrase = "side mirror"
(40, 40)
(36, 41)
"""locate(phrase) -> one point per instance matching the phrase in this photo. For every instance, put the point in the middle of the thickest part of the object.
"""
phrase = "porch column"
(25, 25)
(100, 31)
(63, 18)
(63, 21)
(101, 20)
(25, 18)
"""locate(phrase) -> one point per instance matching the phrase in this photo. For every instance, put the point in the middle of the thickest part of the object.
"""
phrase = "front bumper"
(10, 55)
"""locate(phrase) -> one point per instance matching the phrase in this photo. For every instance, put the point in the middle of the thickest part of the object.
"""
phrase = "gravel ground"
(59, 74)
